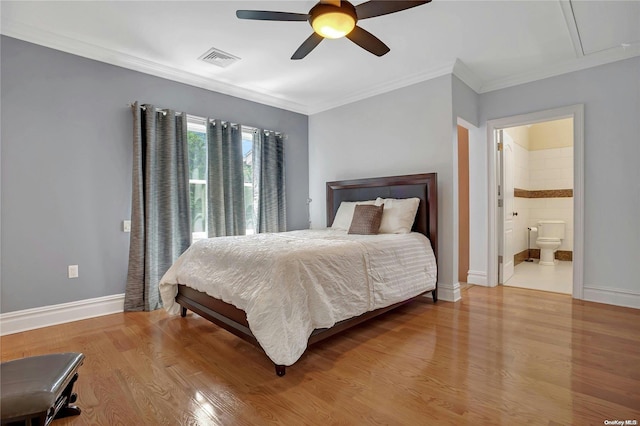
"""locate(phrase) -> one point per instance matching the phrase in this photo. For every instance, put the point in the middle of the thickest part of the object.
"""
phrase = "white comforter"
(291, 283)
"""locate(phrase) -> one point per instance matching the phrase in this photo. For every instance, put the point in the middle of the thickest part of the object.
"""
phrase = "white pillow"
(398, 214)
(344, 215)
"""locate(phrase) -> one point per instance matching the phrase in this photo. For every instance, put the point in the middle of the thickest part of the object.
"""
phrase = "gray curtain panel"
(160, 223)
(268, 182)
(225, 180)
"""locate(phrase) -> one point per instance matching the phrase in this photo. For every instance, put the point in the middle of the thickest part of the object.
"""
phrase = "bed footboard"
(234, 320)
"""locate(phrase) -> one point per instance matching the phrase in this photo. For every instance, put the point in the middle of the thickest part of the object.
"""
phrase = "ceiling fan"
(336, 19)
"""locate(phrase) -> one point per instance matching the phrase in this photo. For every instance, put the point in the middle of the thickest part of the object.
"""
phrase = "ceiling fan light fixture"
(332, 21)
(333, 24)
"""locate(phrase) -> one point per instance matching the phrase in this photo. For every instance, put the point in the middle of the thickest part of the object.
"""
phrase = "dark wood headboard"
(423, 186)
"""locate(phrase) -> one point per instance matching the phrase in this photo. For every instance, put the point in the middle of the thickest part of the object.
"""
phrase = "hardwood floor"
(500, 356)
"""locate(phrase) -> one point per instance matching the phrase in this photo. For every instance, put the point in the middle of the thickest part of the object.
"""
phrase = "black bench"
(37, 389)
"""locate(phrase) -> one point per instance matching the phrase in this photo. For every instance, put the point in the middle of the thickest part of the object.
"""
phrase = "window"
(197, 146)
(247, 165)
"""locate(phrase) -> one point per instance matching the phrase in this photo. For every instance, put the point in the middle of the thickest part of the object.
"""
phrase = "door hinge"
(500, 203)
(499, 146)
(499, 259)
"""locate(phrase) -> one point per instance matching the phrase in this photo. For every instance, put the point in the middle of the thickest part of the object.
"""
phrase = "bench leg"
(66, 399)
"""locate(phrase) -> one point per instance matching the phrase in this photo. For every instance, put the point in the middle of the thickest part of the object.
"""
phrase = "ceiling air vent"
(218, 57)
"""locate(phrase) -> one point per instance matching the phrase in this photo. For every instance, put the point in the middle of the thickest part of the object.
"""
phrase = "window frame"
(199, 125)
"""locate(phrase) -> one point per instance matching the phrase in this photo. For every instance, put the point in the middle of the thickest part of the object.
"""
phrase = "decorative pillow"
(344, 215)
(366, 220)
(399, 214)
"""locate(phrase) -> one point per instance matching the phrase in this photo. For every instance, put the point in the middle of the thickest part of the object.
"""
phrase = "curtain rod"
(164, 112)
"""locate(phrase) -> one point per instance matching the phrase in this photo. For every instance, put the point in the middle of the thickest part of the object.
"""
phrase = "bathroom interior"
(543, 227)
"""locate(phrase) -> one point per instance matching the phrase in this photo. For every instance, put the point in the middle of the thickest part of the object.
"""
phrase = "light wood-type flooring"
(500, 356)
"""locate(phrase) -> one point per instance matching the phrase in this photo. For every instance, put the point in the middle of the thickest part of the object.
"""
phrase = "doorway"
(503, 237)
(537, 215)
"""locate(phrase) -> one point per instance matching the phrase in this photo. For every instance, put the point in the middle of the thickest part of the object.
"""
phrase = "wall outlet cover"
(73, 271)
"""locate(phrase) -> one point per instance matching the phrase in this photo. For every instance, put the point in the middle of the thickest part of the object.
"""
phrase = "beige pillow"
(366, 220)
(399, 214)
(344, 215)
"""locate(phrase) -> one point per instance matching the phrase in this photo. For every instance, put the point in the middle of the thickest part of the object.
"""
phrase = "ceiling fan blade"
(375, 8)
(266, 15)
(308, 45)
(368, 41)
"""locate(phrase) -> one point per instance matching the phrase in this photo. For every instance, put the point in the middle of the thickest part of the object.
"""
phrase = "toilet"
(550, 236)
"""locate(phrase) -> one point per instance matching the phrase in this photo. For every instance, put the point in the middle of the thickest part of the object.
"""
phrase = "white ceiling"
(488, 44)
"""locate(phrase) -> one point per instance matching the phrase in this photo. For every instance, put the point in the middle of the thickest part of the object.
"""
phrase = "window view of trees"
(247, 164)
(197, 146)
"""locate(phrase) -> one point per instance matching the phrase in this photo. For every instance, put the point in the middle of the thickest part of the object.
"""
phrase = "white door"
(506, 197)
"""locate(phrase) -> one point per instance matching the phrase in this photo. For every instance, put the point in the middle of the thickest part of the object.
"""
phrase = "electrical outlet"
(126, 226)
(73, 271)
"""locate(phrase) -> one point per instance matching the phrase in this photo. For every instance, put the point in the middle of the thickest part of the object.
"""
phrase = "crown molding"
(578, 64)
(383, 88)
(77, 47)
(87, 50)
(464, 73)
(458, 68)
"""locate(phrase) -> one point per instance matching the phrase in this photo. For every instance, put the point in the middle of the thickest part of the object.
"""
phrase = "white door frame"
(577, 113)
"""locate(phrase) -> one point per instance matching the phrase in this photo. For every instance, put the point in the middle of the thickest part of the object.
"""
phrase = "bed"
(182, 288)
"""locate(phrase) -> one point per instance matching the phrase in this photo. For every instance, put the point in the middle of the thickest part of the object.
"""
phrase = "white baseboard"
(29, 319)
(449, 292)
(477, 278)
(612, 296)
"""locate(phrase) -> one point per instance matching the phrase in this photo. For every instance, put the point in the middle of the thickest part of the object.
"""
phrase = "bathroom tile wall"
(551, 169)
(521, 167)
(542, 169)
(520, 224)
(520, 205)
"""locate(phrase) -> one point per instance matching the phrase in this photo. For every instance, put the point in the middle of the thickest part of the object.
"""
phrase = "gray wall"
(611, 97)
(66, 168)
(465, 102)
(405, 131)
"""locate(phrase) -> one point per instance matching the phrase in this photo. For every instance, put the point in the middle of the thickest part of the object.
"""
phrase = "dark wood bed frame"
(423, 186)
